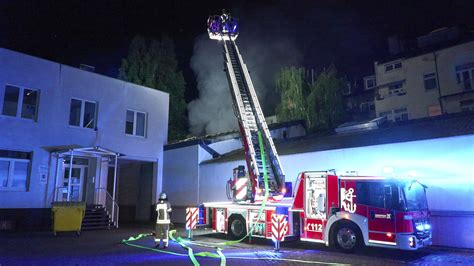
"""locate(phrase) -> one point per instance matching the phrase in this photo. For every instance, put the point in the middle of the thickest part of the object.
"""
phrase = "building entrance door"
(74, 187)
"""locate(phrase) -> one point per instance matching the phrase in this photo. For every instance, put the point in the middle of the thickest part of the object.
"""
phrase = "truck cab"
(351, 211)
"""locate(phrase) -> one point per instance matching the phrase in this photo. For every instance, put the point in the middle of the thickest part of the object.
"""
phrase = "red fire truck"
(345, 211)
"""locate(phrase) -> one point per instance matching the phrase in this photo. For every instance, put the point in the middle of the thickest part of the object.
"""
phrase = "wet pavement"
(106, 248)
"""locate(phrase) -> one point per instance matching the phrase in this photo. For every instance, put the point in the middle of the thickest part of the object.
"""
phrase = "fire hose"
(218, 246)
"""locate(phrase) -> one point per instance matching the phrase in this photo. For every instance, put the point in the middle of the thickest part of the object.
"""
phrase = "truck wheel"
(237, 227)
(347, 237)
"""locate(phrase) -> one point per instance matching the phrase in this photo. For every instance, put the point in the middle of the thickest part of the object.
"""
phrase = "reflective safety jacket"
(163, 209)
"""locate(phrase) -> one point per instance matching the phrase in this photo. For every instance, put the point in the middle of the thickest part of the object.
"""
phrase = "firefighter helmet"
(163, 196)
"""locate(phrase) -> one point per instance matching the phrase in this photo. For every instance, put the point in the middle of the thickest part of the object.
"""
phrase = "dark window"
(75, 114)
(466, 81)
(129, 122)
(89, 115)
(430, 81)
(370, 193)
(83, 114)
(392, 66)
(15, 154)
(140, 130)
(370, 83)
(10, 102)
(14, 169)
(4, 169)
(135, 123)
(30, 103)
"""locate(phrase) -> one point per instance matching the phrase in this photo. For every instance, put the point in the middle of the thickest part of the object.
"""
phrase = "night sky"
(351, 34)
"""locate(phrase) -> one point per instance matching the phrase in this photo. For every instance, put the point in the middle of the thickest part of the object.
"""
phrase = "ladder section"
(253, 121)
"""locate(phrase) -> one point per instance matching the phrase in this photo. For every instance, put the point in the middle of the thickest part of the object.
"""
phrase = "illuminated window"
(434, 110)
(20, 102)
(135, 123)
(14, 169)
(393, 66)
(430, 81)
(83, 114)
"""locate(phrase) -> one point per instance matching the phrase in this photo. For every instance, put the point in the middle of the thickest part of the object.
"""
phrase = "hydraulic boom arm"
(249, 113)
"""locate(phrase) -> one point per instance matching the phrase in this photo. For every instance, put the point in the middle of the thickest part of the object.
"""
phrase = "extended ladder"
(251, 121)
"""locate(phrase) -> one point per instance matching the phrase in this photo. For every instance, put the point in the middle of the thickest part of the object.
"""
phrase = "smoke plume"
(263, 53)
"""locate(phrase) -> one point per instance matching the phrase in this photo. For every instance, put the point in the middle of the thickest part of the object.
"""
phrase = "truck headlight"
(412, 242)
(420, 227)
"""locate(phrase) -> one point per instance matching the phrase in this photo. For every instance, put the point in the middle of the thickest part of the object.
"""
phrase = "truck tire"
(237, 227)
(347, 237)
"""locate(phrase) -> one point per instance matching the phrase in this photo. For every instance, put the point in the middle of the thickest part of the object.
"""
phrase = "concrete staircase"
(96, 218)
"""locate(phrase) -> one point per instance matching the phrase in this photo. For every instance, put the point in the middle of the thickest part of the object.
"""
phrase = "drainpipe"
(437, 81)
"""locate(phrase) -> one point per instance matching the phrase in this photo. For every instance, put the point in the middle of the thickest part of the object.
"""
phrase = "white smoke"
(212, 112)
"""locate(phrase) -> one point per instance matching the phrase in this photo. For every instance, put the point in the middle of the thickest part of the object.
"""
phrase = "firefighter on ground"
(163, 209)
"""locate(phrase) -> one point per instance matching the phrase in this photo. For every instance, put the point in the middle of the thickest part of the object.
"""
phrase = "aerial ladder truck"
(345, 211)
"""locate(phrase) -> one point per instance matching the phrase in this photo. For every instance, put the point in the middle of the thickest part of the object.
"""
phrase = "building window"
(396, 89)
(367, 107)
(467, 105)
(369, 82)
(20, 102)
(465, 76)
(430, 81)
(393, 66)
(387, 114)
(83, 114)
(14, 169)
(347, 89)
(135, 123)
(396, 115)
(400, 114)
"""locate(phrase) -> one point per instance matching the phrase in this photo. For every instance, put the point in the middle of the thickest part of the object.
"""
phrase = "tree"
(321, 104)
(325, 102)
(152, 63)
(290, 83)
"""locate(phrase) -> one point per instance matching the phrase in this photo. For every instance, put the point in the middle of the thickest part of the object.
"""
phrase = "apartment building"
(68, 134)
(435, 78)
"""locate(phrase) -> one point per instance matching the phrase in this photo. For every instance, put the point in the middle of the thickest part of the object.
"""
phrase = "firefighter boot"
(157, 242)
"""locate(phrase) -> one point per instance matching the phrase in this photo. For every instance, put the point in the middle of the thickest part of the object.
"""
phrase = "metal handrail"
(110, 205)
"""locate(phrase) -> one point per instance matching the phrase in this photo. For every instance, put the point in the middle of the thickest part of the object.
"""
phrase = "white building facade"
(50, 111)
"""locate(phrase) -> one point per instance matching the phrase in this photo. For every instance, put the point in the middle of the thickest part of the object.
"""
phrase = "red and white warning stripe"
(279, 227)
(191, 218)
(241, 188)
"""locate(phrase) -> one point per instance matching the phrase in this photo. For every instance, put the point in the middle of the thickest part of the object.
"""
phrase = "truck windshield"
(415, 196)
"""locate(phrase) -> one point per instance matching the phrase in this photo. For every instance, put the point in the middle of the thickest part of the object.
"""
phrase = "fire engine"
(344, 211)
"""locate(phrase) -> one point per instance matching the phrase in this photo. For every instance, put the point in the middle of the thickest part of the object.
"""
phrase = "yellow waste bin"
(67, 216)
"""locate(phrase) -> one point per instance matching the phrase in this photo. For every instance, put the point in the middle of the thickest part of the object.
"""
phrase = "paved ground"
(105, 248)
